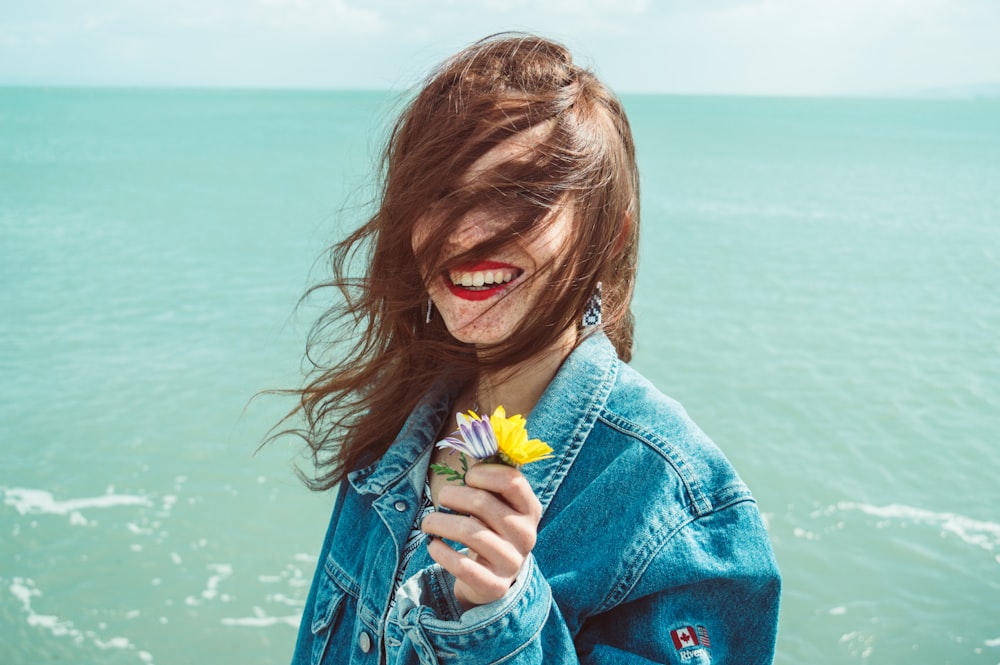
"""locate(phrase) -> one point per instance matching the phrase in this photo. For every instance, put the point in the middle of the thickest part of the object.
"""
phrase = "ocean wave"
(28, 501)
(221, 572)
(974, 532)
(24, 590)
(262, 620)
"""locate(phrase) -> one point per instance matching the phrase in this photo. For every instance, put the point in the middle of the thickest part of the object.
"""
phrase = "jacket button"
(400, 506)
(365, 642)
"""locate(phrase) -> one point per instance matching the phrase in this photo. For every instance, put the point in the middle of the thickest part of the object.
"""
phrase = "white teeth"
(483, 278)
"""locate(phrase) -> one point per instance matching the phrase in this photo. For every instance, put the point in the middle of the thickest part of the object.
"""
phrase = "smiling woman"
(511, 191)
(484, 301)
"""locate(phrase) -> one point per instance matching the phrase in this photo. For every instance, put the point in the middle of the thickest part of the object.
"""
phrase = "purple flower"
(476, 437)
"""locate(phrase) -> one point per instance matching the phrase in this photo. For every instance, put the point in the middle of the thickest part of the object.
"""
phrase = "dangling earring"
(430, 308)
(592, 314)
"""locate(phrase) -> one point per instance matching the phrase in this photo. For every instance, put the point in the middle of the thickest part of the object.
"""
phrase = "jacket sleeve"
(519, 628)
(719, 606)
(709, 595)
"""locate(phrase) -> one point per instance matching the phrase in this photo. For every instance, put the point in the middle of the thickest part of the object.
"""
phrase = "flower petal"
(499, 436)
(474, 437)
(512, 439)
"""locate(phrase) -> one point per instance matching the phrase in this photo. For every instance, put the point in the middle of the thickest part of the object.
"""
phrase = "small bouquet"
(497, 440)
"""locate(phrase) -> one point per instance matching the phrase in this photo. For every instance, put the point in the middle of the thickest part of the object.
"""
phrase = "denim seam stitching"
(662, 446)
(341, 578)
(530, 639)
(584, 425)
(506, 609)
(644, 557)
(735, 494)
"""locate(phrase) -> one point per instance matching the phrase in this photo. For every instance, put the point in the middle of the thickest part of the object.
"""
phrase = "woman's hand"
(498, 523)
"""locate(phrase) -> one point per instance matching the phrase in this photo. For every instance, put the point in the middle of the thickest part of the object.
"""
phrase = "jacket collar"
(414, 439)
(567, 410)
(563, 418)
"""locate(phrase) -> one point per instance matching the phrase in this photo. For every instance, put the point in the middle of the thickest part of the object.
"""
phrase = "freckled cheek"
(549, 252)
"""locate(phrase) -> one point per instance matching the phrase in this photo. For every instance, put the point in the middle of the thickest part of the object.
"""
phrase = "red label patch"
(685, 637)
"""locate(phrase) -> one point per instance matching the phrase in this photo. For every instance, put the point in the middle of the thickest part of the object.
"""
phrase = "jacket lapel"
(565, 414)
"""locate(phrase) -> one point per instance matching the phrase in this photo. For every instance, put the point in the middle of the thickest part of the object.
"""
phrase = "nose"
(475, 227)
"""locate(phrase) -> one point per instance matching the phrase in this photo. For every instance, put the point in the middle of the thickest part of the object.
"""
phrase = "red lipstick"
(476, 293)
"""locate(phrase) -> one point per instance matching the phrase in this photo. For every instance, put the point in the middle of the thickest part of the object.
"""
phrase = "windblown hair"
(384, 354)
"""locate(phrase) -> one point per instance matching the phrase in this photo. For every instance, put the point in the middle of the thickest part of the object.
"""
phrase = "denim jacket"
(650, 548)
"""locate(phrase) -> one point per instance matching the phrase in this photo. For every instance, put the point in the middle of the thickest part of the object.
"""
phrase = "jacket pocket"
(327, 612)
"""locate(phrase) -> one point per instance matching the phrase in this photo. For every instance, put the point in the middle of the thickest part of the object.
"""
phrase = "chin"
(480, 332)
(478, 337)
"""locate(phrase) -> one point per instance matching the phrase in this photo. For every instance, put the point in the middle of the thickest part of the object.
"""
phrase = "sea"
(819, 285)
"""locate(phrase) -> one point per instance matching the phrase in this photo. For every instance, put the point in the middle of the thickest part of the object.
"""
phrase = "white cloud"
(323, 16)
(703, 46)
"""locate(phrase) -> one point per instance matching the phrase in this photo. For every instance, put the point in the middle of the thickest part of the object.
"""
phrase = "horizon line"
(979, 91)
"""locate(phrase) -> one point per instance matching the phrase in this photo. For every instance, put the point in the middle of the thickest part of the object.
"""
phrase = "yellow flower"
(513, 444)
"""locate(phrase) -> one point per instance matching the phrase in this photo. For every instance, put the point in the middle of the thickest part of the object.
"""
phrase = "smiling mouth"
(481, 280)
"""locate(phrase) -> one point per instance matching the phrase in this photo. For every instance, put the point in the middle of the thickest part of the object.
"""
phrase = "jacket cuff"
(430, 615)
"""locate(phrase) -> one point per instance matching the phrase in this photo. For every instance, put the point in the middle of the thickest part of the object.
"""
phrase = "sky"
(739, 47)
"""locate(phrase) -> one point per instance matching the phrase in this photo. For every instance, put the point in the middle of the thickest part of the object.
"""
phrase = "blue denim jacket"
(650, 548)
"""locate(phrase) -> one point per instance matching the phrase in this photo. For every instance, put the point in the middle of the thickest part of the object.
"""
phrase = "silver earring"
(430, 308)
(592, 314)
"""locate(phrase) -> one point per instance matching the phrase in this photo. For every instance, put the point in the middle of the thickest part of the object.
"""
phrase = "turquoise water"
(820, 286)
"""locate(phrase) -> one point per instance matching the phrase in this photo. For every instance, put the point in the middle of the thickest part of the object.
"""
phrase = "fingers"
(475, 582)
(499, 555)
(501, 498)
(491, 511)
(508, 483)
(496, 517)
(478, 580)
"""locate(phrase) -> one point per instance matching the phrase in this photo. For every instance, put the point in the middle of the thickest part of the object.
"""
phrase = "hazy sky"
(793, 47)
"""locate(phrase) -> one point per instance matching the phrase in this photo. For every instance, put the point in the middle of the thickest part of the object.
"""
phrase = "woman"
(498, 270)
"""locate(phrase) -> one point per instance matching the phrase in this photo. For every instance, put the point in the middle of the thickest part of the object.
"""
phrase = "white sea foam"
(222, 571)
(858, 644)
(285, 600)
(262, 620)
(138, 530)
(974, 532)
(25, 590)
(799, 532)
(114, 643)
(28, 501)
(168, 502)
(274, 610)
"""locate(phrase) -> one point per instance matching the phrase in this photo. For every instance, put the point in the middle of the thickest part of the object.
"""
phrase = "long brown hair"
(373, 354)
